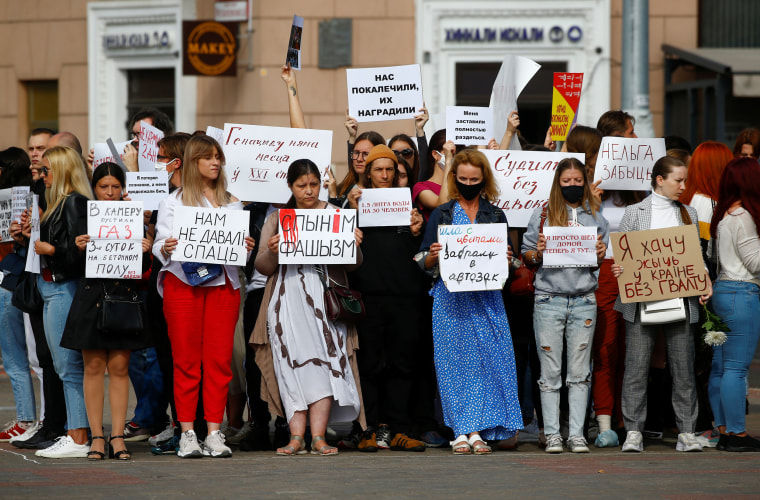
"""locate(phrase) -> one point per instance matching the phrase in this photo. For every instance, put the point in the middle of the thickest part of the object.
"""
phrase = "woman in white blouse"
(736, 299)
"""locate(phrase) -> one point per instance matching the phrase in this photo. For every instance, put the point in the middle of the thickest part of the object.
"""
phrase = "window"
(729, 23)
(150, 88)
(42, 104)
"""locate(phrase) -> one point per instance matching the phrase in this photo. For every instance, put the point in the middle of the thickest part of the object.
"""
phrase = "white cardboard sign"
(6, 212)
(210, 235)
(148, 187)
(149, 137)
(626, 164)
(115, 220)
(117, 259)
(381, 94)
(473, 257)
(469, 125)
(32, 258)
(215, 133)
(102, 153)
(570, 246)
(257, 159)
(385, 207)
(19, 196)
(317, 236)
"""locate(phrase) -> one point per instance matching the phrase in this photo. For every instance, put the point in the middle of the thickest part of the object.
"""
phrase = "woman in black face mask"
(474, 359)
(565, 304)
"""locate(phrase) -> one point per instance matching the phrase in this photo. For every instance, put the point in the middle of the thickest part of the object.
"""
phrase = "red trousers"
(201, 324)
(609, 346)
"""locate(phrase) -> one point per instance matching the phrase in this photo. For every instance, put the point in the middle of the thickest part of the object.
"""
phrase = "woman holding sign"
(660, 210)
(474, 360)
(565, 304)
(201, 302)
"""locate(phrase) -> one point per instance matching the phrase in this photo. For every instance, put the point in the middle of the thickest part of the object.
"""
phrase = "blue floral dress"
(474, 360)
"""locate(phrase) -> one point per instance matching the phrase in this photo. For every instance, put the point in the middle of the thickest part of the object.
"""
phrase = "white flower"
(715, 338)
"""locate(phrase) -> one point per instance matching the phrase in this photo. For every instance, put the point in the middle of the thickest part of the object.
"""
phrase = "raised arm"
(288, 76)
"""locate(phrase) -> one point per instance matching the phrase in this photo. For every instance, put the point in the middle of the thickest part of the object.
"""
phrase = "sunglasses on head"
(406, 153)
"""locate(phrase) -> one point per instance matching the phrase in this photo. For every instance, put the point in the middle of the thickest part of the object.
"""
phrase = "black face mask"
(573, 194)
(469, 191)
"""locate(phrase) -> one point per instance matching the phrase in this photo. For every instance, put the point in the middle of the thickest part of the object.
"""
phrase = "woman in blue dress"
(474, 360)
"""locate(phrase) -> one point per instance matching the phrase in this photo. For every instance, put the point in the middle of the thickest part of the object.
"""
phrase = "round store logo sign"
(210, 48)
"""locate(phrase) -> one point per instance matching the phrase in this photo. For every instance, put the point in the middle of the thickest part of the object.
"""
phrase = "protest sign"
(149, 137)
(32, 258)
(118, 259)
(210, 235)
(216, 133)
(566, 96)
(294, 45)
(381, 94)
(514, 75)
(6, 214)
(469, 125)
(317, 236)
(115, 220)
(660, 264)
(626, 164)
(385, 207)
(148, 187)
(570, 246)
(473, 257)
(19, 199)
(102, 153)
(524, 179)
(257, 159)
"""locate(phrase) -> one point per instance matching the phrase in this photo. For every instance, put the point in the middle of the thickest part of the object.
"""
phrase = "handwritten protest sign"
(659, 264)
(210, 235)
(570, 246)
(102, 153)
(117, 259)
(216, 133)
(473, 257)
(385, 207)
(469, 125)
(258, 159)
(566, 96)
(317, 236)
(294, 44)
(626, 164)
(6, 212)
(117, 220)
(32, 258)
(148, 187)
(19, 201)
(525, 179)
(380, 94)
(149, 137)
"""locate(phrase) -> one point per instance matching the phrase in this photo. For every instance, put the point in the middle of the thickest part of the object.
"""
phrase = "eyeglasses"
(360, 155)
(407, 153)
(43, 171)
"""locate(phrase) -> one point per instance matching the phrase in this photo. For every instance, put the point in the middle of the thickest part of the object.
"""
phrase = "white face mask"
(161, 167)
(442, 161)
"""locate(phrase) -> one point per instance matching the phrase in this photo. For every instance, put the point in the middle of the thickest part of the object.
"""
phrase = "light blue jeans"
(738, 305)
(557, 318)
(68, 363)
(15, 358)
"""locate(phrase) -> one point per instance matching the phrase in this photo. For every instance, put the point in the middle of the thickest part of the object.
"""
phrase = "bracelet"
(533, 257)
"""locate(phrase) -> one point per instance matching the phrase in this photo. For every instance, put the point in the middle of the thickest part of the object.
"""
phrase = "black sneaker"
(256, 440)
(742, 443)
(383, 437)
(43, 438)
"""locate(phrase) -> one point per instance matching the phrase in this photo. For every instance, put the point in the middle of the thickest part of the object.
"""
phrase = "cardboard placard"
(381, 94)
(626, 164)
(469, 125)
(257, 159)
(102, 153)
(566, 96)
(210, 235)
(660, 264)
(385, 207)
(570, 246)
(294, 44)
(115, 220)
(6, 214)
(525, 180)
(20, 201)
(32, 258)
(216, 133)
(148, 187)
(116, 259)
(473, 257)
(317, 236)
(149, 137)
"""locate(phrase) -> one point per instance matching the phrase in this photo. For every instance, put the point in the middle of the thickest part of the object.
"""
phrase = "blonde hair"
(200, 146)
(69, 175)
(490, 191)
(557, 214)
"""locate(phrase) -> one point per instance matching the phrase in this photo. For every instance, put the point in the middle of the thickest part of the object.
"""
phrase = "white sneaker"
(162, 436)
(634, 441)
(64, 447)
(688, 442)
(554, 444)
(234, 438)
(29, 432)
(577, 444)
(188, 446)
(214, 446)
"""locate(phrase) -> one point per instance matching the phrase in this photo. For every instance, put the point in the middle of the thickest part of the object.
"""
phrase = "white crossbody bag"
(659, 312)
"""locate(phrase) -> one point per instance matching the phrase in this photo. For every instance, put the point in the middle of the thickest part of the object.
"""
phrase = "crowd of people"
(422, 366)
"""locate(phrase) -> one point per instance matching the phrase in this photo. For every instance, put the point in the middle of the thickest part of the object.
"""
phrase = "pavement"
(528, 472)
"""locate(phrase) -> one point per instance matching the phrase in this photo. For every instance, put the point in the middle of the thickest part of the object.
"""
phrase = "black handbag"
(12, 268)
(198, 273)
(26, 296)
(341, 302)
(121, 311)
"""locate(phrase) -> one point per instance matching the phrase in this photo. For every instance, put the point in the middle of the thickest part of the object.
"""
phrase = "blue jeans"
(148, 382)
(67, 362)
(738, 305)
(571, 318)
(15, 357)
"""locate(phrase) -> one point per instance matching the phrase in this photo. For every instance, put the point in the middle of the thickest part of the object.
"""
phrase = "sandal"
(479, 449)
(461, 446)
(93, 455)
(124, 454)
(324, 451)
(289, 451)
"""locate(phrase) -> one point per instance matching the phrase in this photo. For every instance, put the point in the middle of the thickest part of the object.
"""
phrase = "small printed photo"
(294, 59)
(295, 37)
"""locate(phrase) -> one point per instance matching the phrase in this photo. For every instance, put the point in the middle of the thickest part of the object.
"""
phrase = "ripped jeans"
(556, 318)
